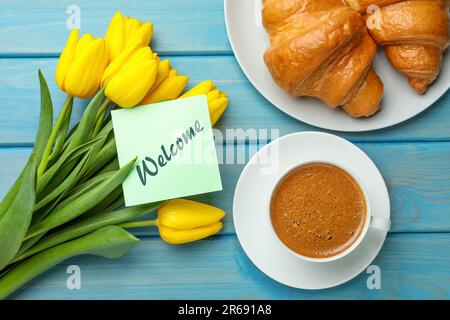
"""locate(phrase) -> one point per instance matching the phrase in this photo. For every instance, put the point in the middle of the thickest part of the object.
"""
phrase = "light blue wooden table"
(414, 158)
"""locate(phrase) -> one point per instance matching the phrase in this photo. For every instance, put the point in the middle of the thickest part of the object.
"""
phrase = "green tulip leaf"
(103, 157)
(87, 185)
(17, 212)
(89, 224)
(45, 119)
(64, 213)
(66, 158)
(87, 122)
(26, 245)
(108, 242)
(105, 203)
(69, 182)
(60, 140)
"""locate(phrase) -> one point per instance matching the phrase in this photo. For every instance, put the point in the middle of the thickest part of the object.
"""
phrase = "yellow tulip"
(202, 88)
(181, 221)
(163, 73)
(169, 89)
(174, 236)
(124, 37)
(217, 100)
(81, 65)
(217, 108)
(125, 33)
(129, 84)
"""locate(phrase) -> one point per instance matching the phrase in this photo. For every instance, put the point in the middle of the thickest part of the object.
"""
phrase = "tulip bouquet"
(68, 199)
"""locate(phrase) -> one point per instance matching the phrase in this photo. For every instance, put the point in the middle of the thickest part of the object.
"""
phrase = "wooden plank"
(413, 266)
(40, 28)
(417, 174)
(248, 110)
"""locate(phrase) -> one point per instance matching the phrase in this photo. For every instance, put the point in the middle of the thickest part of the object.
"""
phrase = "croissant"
(414, 33)
(322, 49)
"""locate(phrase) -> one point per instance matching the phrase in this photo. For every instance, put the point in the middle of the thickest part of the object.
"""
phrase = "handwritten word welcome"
(166, 153)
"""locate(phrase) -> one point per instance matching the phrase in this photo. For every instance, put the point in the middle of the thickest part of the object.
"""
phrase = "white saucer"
(249, 40)
(250, 205)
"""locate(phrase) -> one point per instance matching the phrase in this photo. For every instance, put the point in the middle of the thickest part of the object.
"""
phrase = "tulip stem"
(138, 224)
(103, 107)
(48, 148)
(101, 117)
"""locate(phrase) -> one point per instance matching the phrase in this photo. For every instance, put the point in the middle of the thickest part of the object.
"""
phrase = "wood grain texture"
(413, 157)
(188, 27)
(248, 110)
(417, 175)
(412, 267)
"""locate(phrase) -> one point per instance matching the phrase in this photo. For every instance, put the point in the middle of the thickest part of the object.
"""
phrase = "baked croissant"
(415, 34)
(322, 49)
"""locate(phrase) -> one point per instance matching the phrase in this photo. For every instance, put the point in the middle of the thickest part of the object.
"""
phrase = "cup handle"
(380, 223)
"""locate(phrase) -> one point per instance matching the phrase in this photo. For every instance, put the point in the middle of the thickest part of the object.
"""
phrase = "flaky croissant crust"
(415, 33)
(320, 48)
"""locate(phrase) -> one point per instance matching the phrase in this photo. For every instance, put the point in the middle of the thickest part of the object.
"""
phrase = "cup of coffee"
(320, 212)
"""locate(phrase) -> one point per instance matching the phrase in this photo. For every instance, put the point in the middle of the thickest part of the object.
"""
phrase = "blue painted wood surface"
(414, 158)
(30, 27)
(19, 110)
(413, 266)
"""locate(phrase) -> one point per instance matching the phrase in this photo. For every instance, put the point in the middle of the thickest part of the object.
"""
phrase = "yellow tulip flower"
(217, 100)
(181, 221)
(217, 107)
(124, 37)
(125, 33)
(81, 65)
(162, 74)
(169, 89)
(202, 88)
(129, 84)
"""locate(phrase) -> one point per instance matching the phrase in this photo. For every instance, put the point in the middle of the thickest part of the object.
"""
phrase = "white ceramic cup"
(370, 220)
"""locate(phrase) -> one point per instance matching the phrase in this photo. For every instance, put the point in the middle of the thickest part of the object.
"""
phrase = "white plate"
(249, 41)
(250, 205)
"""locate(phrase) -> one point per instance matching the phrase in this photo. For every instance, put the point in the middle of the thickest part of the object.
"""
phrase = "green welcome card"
(175, 150)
